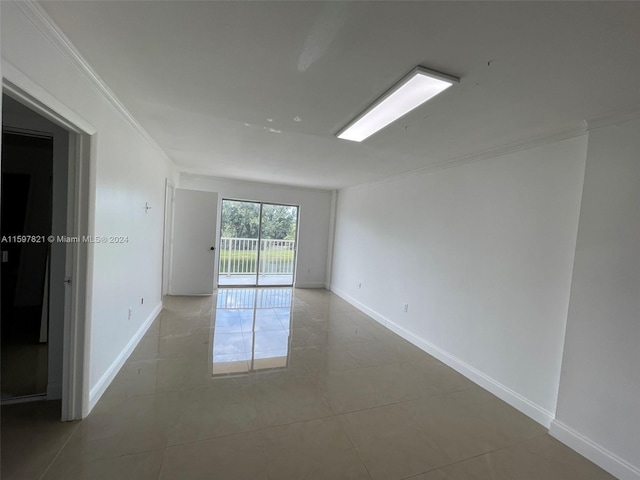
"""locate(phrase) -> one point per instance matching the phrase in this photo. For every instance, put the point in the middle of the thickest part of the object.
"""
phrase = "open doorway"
(51, 278)
(257, 244)
(27, 168)
(35, 155)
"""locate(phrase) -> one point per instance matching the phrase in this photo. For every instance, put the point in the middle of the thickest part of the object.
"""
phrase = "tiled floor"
(336, 397)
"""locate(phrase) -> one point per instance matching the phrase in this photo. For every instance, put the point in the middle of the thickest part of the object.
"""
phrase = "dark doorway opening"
(27, 172)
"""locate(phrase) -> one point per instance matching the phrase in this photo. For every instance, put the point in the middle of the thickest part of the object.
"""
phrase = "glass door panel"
(278, 228)
(240, 237)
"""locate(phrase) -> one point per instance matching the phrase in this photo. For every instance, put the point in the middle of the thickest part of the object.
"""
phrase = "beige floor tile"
(307, 320)
(360, 354)
(355, 401)
(173, 325)
(391, 444)
(237, 457)
(539, 458)
(136, 378)
(471, 422)
(196, 346)
(308, 336)
(288, 398)
(332, 358)
(136, 425)
(187, 373)
(140, 466)
(360, 388)
(318, 449)
(406, 351)
(312, 359)
(431, 377)
(32, 435)
(185, 306)
(213, 412)
(349, 334)
(147, 349)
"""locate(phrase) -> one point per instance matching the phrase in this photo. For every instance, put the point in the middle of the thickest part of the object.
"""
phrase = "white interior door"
(194, 237)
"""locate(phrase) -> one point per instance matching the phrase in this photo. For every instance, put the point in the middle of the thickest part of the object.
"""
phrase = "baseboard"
(608, 461)
(360, 306)
(524, 405)
(310, 285)
(101, 386)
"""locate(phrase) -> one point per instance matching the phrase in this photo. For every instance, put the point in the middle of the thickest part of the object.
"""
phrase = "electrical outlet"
(130, 312)
(405, 307)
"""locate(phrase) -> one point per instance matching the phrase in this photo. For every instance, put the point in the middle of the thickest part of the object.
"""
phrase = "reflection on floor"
(251, 330)
(355, 401)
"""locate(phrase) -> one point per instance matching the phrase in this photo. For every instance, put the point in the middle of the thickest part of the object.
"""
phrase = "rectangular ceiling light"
(413, 90)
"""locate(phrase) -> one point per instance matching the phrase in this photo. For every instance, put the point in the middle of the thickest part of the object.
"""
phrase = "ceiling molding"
(476, 157)
(204, 176)
(614, 118)
(45, 25)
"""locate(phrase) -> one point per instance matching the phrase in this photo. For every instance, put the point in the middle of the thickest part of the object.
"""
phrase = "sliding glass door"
(257, 244)
(278, 229)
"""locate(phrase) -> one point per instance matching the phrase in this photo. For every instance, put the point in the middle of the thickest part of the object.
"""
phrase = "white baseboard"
(608, 461)
(310, 285)
(532, 410)
(101, 386)
(360, 306)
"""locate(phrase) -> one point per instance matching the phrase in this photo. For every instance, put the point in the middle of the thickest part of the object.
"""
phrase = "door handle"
(212, 248)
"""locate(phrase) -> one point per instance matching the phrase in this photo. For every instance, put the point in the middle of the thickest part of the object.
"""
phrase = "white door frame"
(80, 222)
(167, 245)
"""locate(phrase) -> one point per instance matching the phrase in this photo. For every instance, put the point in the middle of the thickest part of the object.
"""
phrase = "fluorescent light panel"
(412, 91)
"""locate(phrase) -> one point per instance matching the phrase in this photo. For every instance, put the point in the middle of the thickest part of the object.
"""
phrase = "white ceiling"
(219, 84)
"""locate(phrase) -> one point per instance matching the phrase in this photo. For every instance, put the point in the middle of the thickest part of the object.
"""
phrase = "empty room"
(377, 240)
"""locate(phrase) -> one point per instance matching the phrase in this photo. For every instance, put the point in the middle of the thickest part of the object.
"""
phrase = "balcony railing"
(238, 256)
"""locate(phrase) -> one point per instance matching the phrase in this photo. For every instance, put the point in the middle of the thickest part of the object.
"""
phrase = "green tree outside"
(242, 220)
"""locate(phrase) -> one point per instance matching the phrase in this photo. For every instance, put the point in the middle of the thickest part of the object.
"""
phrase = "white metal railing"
(238, 256)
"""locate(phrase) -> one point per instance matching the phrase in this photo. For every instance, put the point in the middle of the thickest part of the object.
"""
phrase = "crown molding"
(614, 118)
(204, 176)
(476, 157)
(46, 26)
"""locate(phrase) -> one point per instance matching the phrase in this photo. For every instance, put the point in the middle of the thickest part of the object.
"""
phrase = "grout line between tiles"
(60, 450)
(517, 442)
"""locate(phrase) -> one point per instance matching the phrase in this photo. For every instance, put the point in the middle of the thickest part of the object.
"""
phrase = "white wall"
(599, 403)
(482, 253)
(128, 171)
(314, 215)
